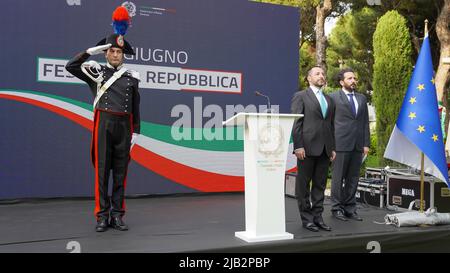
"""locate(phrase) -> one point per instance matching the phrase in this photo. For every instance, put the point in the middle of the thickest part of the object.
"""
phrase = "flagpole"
(422, 182)
(422, 156)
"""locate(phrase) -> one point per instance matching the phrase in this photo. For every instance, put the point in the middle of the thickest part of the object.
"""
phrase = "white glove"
(97, 49)
(133, 140)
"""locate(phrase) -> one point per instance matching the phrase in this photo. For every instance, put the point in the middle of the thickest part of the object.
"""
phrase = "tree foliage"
(415, 12)
(307, 37)
(350, 45)
(307, 60)
(392, 72)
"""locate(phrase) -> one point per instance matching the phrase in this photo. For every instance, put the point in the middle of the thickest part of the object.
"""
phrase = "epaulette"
(134, 74)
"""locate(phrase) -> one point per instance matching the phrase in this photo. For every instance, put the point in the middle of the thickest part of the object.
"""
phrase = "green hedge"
(392, 71)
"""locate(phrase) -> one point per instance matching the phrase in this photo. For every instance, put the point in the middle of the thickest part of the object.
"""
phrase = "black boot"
(102, 225)
(118, 223)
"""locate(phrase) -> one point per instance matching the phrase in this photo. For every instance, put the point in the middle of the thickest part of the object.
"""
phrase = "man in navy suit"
(351, 130)
(314, 147)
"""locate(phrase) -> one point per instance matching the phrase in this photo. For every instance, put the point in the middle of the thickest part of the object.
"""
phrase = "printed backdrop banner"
(200, 62)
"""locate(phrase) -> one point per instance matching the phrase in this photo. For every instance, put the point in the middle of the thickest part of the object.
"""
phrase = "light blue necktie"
(323, 104)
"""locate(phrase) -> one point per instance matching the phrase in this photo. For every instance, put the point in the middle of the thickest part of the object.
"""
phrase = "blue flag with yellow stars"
(418, 127)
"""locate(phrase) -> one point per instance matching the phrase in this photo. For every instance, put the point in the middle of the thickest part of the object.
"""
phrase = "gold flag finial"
(426, 27)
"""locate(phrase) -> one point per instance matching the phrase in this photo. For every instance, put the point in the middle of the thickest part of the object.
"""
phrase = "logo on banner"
(73, 2)
(131, 8)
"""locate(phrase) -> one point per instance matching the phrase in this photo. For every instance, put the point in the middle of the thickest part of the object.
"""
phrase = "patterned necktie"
(323, 104)
(352, 104)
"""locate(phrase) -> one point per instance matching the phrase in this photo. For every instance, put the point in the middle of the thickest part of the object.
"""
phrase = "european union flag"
(418, 127)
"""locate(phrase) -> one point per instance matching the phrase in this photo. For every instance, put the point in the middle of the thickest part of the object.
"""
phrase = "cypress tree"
(391, 74)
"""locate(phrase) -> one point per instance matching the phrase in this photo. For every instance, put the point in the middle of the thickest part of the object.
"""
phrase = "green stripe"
(164, 132)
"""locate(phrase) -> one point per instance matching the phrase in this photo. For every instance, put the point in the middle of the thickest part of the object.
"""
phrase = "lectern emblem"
(270, 140)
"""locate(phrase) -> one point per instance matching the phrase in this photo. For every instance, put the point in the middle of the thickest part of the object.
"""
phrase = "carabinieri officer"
(116, 118)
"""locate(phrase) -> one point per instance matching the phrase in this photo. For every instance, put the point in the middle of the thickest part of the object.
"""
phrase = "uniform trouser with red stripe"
(111, 147)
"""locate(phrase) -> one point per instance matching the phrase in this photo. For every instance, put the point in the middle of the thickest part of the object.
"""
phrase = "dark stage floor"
(197, 223)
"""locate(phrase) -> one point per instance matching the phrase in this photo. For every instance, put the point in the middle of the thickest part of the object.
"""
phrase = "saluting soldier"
(116, 118)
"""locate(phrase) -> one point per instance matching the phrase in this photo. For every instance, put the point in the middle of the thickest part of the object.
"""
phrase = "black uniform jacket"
(121, 97)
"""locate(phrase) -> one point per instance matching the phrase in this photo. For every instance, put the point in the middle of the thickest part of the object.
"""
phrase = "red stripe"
(131, 125)
(179, 173)
(126, 172)
(97, 186)
(86, 123)
(210, 70)
(182, 174)
(211, 91)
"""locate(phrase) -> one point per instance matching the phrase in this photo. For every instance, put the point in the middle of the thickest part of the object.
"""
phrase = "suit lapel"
(328, 99)
(313, 98)
(359, 100)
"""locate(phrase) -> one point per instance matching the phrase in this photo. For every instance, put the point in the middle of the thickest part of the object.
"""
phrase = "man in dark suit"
(352, 137)
(314, 147)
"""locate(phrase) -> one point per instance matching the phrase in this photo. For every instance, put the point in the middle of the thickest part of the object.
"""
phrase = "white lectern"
(266, 142)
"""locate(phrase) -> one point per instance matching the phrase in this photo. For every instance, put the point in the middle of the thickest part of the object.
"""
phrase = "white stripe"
(221, 162)
(226, 163)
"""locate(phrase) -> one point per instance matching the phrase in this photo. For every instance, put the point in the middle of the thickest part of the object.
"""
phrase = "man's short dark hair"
(340, 75)
(312, 67)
